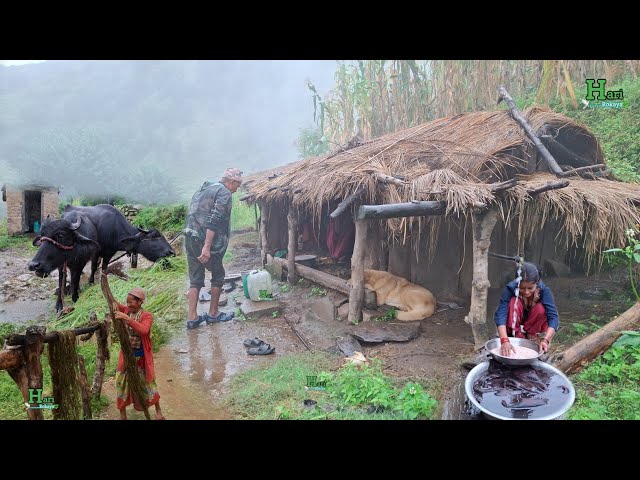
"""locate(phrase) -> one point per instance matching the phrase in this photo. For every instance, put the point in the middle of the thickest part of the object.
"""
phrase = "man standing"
(207, 233)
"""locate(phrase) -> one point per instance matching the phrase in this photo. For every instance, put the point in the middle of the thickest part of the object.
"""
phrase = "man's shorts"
(193, 247)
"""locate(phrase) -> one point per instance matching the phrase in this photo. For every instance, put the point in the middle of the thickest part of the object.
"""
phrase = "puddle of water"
(23, 311)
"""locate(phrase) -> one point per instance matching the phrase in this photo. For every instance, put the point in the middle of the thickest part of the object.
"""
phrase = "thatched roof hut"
(458, 169)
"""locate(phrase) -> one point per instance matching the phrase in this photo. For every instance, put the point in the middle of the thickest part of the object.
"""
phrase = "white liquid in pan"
(521, 352)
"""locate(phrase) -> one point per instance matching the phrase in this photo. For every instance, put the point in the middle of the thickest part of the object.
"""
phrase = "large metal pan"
(518, 342)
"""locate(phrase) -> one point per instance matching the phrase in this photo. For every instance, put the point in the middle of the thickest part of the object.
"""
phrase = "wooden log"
(356, 296)
(347, 202)
(19, 375)
(567, 155)
(483, 224)
(84, 389)
(263, 234)
(578, 356)
(502, 186)
(15, 339)
(517, 116)
(292, 222)
(548, 186)
(578, 171)
(33, 346)
(396, 210)
(324, 279)
(247, 196)
(102, 356)
(11, 359)
(381, 177)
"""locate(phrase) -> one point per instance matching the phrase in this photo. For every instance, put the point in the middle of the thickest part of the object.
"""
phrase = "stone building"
(27, 204)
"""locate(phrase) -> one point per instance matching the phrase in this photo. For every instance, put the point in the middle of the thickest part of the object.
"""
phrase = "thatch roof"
(461, 156)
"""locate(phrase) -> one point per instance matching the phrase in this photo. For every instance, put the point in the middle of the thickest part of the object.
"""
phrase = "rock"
(252, 309)
(376, 332)
(24, 277)
(348, 345)
(553, 268)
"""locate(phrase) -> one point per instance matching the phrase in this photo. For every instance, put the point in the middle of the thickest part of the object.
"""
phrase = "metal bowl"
(519, 342)
(558, 414)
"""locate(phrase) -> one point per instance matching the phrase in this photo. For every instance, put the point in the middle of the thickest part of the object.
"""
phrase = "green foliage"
(242, 215)
(632, 253)
(168, 219)
(608, 388)
(21, 242)
(318, 292)
(277, 391)
(285, 288)
(390, 315)
(311, 143)
(617, 130)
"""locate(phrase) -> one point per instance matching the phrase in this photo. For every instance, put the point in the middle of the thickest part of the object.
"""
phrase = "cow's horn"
(143, 230)
(76, 224)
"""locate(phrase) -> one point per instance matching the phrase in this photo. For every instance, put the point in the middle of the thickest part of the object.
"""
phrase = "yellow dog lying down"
(412, 301)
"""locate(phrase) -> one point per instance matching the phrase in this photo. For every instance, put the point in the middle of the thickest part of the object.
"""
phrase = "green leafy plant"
(285, 288)
(317, 291)
(275, 314)
(632, 252)
(413, 402)
(390, 315)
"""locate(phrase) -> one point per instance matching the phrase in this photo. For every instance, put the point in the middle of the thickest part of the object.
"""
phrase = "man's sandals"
(255, 346)
(221, 317)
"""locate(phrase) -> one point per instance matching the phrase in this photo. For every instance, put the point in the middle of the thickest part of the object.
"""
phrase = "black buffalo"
(115, 233)
(70, 241)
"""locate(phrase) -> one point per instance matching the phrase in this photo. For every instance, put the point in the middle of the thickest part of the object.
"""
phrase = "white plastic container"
(259, 285)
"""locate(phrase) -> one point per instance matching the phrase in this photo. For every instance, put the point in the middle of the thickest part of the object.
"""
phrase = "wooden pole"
(102, 355)
(356, 296)
(567, 155)
(263, 234)
(15, 339)
(381, 177)
(548, 186)
(577, 357)
(502, 186)
(517, 116)
(84, 389)
(483, 224)
(581, 170)
(317, 276)
(292, 222)
(347, 202)
(396, 210)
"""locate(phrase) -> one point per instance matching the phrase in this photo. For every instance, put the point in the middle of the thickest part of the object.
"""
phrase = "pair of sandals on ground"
(255, 346)
(205, 317)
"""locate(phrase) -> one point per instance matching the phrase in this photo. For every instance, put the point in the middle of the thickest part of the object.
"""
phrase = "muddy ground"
(194, 368)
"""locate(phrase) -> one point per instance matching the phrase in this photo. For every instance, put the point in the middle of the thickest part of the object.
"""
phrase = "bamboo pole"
(292, 222)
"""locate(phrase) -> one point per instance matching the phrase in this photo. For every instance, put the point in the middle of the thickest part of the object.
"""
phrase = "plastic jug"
(36, 227)
(258, 285)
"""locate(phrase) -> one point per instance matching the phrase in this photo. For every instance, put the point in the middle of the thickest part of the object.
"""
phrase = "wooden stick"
(84, 388)
(292, 221)
(381, 177)
(15, 339)
(317, 276)
(578, 356)
(502, 186)
(356, 296)
(396, 210)
(102, 355)
(517, 116)
(548, 186)
(346, 203)
(34, 344)
(263, 233)
(578, 171)
(571, 158)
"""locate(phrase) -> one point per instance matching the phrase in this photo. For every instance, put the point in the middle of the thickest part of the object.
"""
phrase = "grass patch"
(242, 215)
(608, 388)
(350, 392)
(23, 243)
(169, 219)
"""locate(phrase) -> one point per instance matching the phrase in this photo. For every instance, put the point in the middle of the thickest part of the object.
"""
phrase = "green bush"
(169, 219)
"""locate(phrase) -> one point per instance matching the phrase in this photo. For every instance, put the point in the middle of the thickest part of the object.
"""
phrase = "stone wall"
(49, 204)
(15, 204)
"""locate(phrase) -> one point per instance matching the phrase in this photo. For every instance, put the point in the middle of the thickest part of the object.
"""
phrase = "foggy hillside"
(151, 130)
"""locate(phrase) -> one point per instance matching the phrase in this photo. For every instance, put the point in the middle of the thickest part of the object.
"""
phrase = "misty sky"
(189, 119)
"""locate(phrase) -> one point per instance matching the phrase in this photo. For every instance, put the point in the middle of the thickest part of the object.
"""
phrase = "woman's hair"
(530, 273)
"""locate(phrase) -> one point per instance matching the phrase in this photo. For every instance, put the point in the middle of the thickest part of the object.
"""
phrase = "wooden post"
(483, 224)
(102, 355)
(356, 296)
(292, 222)
(396, 210)
(84, 389)
(263, 234)
(29, 375)
(575, 358)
